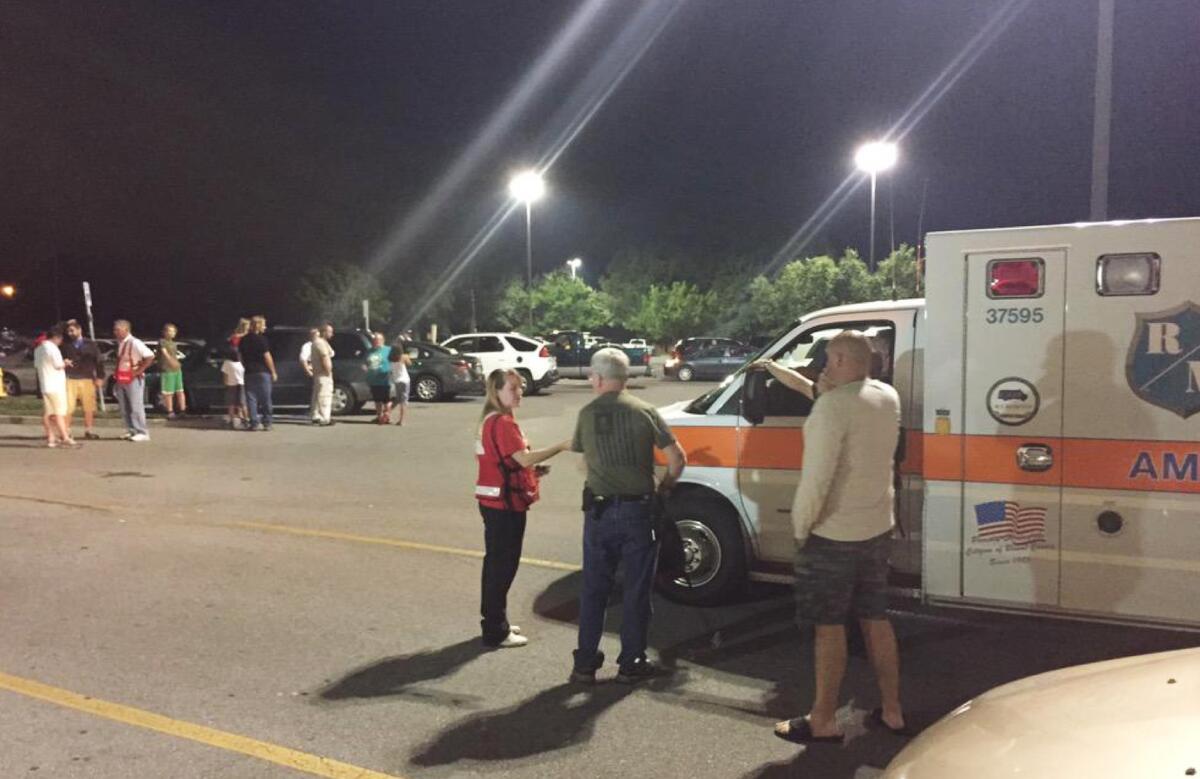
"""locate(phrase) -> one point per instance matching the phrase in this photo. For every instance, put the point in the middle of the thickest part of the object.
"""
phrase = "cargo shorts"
(839, 579)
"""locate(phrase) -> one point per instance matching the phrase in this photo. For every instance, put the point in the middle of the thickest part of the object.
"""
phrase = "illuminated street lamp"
(8, 291)
(574, 264)
(528, 186)
(874, 158)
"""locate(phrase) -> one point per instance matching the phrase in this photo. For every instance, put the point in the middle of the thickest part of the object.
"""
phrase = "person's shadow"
(403, 675)
(558, 718)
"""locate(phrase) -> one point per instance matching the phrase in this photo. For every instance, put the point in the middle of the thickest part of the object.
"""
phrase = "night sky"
(192, 159)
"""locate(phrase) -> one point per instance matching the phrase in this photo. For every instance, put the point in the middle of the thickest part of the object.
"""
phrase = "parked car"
(686, 345)
(187, 348)
(573, 354)
(709, 362)
(528, 357)
(638, 343)
(205, 387)
(438, 373)
(20, 377)
(1134, 716)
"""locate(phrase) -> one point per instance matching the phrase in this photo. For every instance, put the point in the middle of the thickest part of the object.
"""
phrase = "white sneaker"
(127, 437)
(513, 640)
(139, 438)
(52, 444)
(514, 629)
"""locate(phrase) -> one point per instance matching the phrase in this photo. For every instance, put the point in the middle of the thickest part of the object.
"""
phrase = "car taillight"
(646, 357)
(1015, 278)
(544, 351)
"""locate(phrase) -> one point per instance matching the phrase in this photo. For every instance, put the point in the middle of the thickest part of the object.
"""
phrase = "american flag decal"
(1004, 519)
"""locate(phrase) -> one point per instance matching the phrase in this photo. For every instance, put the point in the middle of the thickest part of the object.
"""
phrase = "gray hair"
(610, 364)
(123, 323)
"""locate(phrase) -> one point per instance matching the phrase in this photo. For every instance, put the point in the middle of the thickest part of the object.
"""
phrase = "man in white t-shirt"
(52, 381)
(133, 359)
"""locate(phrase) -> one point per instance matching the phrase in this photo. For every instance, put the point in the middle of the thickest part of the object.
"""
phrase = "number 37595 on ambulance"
(1050, 384)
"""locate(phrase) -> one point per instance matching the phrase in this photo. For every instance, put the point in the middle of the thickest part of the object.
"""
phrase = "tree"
(628, 279)
(854, 282)
(896, 277)
(673, 311)
(336, 293)
(559, 303)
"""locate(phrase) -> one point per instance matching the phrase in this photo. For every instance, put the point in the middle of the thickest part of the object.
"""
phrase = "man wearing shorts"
(842, 518)
(85, 375)
(170, 373)
(52, 381)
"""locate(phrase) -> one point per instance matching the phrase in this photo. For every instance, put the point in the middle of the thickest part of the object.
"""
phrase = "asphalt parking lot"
(219, 603)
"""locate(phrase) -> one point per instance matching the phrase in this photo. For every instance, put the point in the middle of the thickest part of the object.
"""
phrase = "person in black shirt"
(85, 375)
(260, 373)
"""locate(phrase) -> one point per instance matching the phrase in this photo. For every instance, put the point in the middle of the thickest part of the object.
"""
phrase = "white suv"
(527, 356)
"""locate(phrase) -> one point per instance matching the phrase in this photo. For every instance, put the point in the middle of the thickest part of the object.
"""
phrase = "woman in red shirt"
(505, 489)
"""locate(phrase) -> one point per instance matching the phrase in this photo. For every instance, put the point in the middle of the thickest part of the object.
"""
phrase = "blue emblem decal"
(1164, 359)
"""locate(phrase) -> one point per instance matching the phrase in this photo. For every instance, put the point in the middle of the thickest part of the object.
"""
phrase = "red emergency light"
(1015, 278)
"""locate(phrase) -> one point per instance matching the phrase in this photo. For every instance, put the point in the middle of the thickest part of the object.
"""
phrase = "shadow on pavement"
(398, 675)
(948, 656)
(557, 718)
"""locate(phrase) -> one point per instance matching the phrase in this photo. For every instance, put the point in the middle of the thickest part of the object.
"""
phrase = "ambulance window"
(1128, 274)
(806, 354)
(1017, 278)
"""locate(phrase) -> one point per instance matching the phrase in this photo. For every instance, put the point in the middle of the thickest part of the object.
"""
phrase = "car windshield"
(702, 404)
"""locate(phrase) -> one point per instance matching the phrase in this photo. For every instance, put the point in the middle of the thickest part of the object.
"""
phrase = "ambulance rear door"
(1131, 503)
(1013, 415)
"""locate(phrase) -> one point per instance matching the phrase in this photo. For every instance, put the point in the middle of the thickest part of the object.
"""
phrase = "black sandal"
(800, 732)
(876, 719)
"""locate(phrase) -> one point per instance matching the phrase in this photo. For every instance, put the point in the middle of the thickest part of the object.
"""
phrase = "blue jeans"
(131, 398)
(258, 398)
(617, 533)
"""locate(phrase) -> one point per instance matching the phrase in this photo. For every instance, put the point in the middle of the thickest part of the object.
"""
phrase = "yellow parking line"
(52, 502)
(272, 753)
(395, 542)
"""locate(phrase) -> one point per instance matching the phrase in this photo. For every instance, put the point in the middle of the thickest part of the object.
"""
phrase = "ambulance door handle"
(1035, 457)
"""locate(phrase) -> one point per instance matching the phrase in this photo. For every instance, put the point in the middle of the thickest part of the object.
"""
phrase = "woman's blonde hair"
(243, 327)
(495, 382)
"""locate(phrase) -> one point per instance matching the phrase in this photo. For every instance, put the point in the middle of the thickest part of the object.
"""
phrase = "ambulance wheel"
(712, 543)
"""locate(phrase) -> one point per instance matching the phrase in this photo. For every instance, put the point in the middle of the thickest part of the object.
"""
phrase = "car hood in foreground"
(1136, 716)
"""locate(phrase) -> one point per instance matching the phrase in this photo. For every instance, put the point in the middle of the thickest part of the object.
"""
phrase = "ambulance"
(1050, 384)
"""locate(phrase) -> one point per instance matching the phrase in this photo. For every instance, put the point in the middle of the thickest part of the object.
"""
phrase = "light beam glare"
(931, 96)
(602, 80)
(482, 148)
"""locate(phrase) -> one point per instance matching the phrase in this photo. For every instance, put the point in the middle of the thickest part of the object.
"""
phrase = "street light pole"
(872, 158)
(1102, 112)
(528, 186)
(529, 258)
(871, 256)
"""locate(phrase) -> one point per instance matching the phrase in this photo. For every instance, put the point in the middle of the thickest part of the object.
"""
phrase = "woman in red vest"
(507, 486)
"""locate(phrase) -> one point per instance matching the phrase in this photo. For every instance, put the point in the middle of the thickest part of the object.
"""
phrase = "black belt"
(622, 498)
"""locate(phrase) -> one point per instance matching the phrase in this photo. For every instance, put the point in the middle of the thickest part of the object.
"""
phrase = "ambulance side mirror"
(754, 396)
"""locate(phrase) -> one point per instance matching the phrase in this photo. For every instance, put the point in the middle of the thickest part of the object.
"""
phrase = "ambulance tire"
(716, 552)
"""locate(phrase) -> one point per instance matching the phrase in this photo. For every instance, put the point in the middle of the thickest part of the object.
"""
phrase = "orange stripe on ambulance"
(1048, 368)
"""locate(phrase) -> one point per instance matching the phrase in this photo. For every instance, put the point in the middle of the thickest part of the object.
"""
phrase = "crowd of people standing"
(71, 373)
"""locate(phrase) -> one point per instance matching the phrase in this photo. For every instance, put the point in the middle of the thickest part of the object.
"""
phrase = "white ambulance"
(1050, 384)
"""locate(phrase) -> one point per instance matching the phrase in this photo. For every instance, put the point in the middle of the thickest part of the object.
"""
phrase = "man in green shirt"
(617, 434)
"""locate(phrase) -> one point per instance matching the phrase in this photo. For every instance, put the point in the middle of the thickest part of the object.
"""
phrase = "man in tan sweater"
(842, 517)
